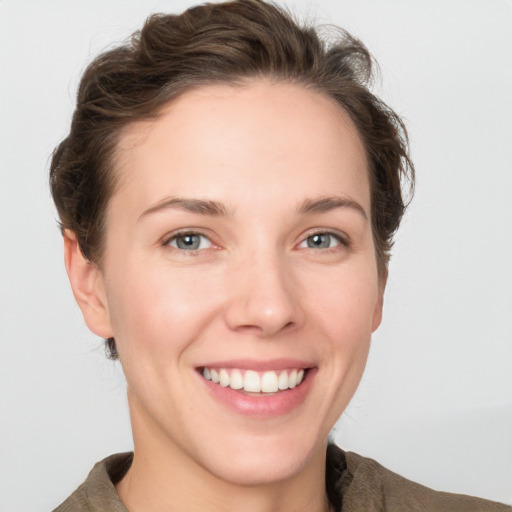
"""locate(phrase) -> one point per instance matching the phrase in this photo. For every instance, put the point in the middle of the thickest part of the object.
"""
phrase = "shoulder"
(98, 493)
(366, 485)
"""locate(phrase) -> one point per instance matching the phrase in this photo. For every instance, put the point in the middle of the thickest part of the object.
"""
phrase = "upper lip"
(259, 365)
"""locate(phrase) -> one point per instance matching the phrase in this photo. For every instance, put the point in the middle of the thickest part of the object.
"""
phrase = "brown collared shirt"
(353, 484)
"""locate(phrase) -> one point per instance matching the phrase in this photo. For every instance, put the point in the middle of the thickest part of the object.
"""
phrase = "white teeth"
(292, 379)
(282, 382)
(254, 382)
(237, 380)
(224, 378)
(269, 382)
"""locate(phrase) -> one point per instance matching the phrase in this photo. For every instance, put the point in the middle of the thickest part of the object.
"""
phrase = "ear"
(88, 287)
(377, 312)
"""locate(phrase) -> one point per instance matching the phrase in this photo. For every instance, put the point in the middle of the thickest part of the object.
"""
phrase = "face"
(239, 277)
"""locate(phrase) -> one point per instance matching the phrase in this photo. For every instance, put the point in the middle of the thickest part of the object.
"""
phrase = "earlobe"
(88, 287)
(377, 313)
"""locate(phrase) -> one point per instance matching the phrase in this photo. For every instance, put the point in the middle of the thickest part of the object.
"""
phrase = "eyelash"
(182, 234)
(340, 238)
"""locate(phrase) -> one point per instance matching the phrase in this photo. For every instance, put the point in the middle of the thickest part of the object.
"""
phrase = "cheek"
(155, 310)
(345, 303)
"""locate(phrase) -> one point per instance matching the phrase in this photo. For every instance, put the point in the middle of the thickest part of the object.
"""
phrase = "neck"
(163, 477)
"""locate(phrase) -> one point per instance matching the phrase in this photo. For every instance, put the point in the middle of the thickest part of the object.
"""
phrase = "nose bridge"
(263, 296)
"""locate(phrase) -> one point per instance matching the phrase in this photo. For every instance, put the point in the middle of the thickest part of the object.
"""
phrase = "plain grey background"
(435, 403)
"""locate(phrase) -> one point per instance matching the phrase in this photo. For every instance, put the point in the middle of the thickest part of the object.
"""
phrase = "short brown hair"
(221, 43)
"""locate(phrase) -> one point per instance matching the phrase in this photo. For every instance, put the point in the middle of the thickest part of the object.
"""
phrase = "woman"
(228, 195)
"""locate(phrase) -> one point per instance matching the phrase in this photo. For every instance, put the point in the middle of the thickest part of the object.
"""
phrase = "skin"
(254, 289)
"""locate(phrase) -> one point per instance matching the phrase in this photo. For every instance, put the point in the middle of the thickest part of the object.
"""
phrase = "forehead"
(263, 135)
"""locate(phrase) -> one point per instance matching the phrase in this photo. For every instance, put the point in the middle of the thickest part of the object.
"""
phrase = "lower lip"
(264, 406)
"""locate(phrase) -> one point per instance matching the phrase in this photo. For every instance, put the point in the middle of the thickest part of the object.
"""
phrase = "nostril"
(249, 329)
(264, 331)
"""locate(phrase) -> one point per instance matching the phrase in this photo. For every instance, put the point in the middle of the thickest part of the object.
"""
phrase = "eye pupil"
(190, 242)
(319, 241)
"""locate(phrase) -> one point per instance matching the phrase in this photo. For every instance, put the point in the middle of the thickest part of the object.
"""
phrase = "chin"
(259, 460)
(247, 470)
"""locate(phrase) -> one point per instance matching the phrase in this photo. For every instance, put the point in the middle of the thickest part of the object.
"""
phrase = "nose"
(264, 299)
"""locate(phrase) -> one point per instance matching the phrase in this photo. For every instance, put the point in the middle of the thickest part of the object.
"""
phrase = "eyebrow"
(201, 206)
(325, 204)
(216, 209)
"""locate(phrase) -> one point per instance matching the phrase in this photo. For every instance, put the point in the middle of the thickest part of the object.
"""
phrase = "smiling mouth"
(252, 381)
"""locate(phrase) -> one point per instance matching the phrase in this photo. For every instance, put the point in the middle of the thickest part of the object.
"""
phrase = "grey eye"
(190, 242)
(321, 241)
